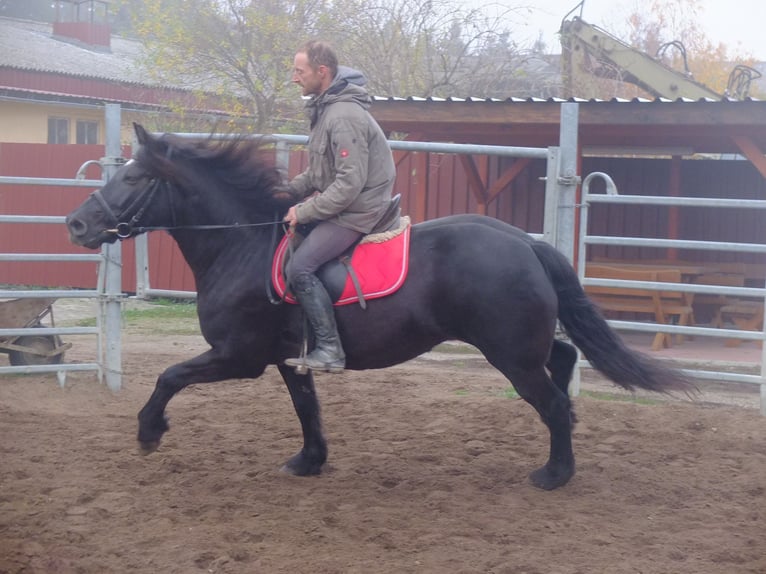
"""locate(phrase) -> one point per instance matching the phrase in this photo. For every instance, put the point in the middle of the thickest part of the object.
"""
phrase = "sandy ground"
(427, 473)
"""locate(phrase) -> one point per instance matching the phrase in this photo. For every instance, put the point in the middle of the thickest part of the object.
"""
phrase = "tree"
(245, 48)
(241, 49)
(434, 48)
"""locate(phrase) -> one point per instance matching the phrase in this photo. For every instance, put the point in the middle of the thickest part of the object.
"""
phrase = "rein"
(126, 229)
(142, 229)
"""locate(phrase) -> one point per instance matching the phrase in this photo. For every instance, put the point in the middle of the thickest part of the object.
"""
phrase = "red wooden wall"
(50, 161)
(446, 193)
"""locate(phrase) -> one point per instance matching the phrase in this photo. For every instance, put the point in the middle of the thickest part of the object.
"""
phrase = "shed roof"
(697, 126)
(30, 46)
(36, 65)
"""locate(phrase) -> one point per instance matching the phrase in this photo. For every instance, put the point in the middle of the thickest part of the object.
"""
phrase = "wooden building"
(55, 79)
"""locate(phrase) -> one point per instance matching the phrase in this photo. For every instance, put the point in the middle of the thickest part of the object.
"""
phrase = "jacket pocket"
(322, 169)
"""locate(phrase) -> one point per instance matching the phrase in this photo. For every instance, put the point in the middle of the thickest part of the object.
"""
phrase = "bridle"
(124, 229)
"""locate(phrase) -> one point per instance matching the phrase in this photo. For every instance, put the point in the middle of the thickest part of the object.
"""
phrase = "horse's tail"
(602, 346)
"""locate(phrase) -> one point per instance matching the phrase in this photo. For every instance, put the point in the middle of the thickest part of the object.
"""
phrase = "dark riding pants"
(325, 242)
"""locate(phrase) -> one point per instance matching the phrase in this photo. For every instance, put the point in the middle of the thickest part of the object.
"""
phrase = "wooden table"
(746, 315)
(662, 305)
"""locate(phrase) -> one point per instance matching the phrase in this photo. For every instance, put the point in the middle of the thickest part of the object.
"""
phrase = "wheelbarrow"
(30, 349)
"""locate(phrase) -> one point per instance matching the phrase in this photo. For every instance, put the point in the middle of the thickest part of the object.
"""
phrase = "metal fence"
(107, 291)
(561, 184)
(558, 229)
(612, 196)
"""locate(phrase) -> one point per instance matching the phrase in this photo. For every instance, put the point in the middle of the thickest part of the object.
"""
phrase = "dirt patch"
(427, 473)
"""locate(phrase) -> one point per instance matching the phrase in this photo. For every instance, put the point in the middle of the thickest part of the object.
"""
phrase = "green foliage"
(245, 49)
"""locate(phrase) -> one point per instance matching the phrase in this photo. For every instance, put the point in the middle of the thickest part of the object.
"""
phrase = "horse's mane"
(239, 168)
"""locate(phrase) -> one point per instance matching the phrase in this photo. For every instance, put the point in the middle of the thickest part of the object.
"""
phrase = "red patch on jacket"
(381, 269)
(344, 153)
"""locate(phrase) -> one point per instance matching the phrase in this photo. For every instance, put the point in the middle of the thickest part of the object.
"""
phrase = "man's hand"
(291, 217)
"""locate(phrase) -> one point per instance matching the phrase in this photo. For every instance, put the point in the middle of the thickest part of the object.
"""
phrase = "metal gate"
(612, 196)
(107, 291)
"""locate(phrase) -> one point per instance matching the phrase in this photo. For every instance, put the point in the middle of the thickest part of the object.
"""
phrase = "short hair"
(320, 53)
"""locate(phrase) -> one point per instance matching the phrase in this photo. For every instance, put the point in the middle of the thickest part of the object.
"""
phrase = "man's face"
(312, 82)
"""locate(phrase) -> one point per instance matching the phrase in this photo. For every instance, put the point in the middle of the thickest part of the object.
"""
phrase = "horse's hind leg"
(561, 365)
(536, 387)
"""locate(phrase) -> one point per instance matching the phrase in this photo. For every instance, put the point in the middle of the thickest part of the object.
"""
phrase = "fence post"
(110, 310)
(567, 180)
(550, 214)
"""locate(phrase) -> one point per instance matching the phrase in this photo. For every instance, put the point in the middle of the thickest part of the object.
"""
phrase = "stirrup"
(302, 365)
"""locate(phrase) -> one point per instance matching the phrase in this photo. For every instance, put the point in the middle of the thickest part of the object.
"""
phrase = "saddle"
(374, 267)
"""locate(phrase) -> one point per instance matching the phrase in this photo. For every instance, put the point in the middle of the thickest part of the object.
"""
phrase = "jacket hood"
(348, 86)
(350, 76)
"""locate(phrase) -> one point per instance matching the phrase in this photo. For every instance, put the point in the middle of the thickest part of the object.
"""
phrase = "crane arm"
(587, 48)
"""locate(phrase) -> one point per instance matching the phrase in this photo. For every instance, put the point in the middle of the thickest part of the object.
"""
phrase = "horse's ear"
(141, 134)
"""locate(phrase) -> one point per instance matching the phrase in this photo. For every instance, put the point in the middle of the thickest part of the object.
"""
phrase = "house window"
(58, 130)
(87, 132)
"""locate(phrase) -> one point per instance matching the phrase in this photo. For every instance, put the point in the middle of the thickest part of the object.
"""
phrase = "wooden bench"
(746, 314)
(665, 307)
(754, 273)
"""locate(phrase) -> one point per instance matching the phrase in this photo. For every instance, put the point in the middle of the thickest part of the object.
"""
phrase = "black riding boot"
(328, 353)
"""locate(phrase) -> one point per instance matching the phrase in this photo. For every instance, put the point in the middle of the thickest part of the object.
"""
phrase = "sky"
(736, 23)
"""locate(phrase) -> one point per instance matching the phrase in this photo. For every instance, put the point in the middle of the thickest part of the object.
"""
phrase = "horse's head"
(128, 199)
(172, 182)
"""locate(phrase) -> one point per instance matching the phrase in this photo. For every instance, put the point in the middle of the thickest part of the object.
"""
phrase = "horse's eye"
(132, 179)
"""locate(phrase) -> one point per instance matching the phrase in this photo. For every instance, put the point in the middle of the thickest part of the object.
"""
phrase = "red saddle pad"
(380, 267)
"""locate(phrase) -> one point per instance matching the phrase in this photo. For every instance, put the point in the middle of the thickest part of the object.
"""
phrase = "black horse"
(472, 278)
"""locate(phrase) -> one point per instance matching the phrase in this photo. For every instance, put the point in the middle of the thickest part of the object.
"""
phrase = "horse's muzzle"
(80, 233)
(78, 229)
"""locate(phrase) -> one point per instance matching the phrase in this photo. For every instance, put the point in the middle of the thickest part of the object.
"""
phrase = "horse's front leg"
(205, 368)
(313, 455)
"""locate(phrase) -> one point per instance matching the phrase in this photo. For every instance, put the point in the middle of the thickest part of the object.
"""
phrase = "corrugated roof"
(553, 100)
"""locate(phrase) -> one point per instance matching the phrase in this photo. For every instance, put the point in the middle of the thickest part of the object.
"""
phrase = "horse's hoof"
(312, 470)
(287, 470)
(546, 479)
(148, 447)
(300, 465)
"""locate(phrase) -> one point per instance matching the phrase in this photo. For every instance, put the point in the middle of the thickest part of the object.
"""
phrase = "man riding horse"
(346, 189)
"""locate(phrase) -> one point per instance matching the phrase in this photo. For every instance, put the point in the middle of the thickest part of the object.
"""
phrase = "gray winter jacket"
(350, 162)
